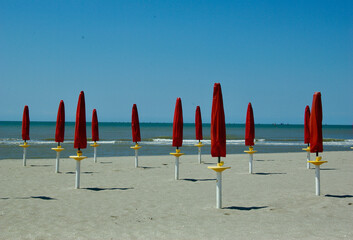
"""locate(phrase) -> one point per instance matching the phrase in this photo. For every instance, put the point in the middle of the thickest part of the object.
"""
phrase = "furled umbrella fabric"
(25, 124)
(60, 123)
(80, 140)
(95, 132)
(218, 127)
(135, 125)
(198, 124)
(249, 127)
(307, 125)
(316, 124)
(178, 124)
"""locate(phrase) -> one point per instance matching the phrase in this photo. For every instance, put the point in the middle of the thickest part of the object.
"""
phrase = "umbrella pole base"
(176, 168)
(57, 162)
(219, 190)
(24, 157)
(136, 158)
(78, 171)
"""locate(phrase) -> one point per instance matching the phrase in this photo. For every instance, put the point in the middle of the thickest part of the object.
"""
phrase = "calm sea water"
(115, 139)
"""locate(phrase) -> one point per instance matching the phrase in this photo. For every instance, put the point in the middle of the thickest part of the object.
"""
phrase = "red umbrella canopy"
(60, 123)
(306, 125)
(135, 125)
(249, 127)
(80, 126)
(178, 124)
(95, 133)
(25, 124)
(316, 124)
(218, 125)
(198, 124)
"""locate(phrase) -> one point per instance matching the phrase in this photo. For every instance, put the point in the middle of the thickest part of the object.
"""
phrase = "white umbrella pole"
(176, 168)
(24, 156)
(199, 155)
(308, 159)
(78, 165)
(219, 190)
(136, 158)
(57, 162)
(317, 179)
(95, 154)
(250, 163)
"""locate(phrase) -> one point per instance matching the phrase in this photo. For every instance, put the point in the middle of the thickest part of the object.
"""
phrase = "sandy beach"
(118, 201)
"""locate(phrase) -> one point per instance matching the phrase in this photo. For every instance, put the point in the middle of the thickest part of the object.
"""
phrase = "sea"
(115, 139)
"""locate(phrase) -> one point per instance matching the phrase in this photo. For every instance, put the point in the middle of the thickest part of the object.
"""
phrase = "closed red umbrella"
(249, 127)
(218, 138)
(95, 133)
(198, 124)
(178, 125)
(80, 140)
(25, 124)
(218, 125)
(307, 125)
(135, 125)
(316, 124)
(60, 123)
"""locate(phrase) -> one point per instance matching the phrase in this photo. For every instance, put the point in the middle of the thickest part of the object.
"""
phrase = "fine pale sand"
(118, 201)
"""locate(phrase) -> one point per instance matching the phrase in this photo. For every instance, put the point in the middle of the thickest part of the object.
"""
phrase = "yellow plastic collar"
(94, 144)
(25, 145)
(317, 161)
(251, 150)
(136, 147)
(219, 167)
(199, 144)
(58, 149)
(177, 153)
(79, 156)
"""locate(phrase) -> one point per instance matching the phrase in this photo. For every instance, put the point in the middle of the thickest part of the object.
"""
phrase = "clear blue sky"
(274, 54)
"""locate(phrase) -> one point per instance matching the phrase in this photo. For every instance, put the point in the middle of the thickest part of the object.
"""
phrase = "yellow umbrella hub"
(25, 145)
(251, 150)
(136, 147)
(317, 161)
(177, 153)
(219, 167)
(306, 149)
(95, 145)
(79, 156)
(199, 144)
(58, 149)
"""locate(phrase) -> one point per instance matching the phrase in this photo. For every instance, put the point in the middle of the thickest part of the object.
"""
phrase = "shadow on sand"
(81, 172)
(40, 165)
(38, 197)
(198, 180)
(245, 208)
(339, 196)
(96, 189)
(148, 167)
(265, 174)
